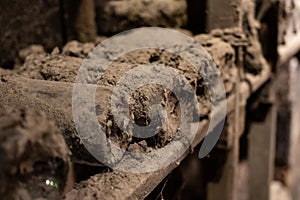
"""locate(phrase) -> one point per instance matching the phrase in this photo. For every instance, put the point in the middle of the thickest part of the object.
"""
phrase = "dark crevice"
(196, 15)
(62, 13)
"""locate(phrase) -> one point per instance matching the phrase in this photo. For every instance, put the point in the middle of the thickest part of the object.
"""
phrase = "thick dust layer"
(63, 67)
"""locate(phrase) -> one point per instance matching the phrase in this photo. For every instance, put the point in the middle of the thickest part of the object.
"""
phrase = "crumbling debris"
(234, 36)
(31, 50)
(223, 55)
(35, 160)
(52, 67)
(77, 49)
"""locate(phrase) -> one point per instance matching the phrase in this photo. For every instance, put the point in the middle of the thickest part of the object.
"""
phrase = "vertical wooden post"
(223, 14)
(226, 187)
(81, 20)
(261, 149)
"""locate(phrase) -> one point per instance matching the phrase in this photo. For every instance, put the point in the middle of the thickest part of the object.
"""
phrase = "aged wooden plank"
(55, 99)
